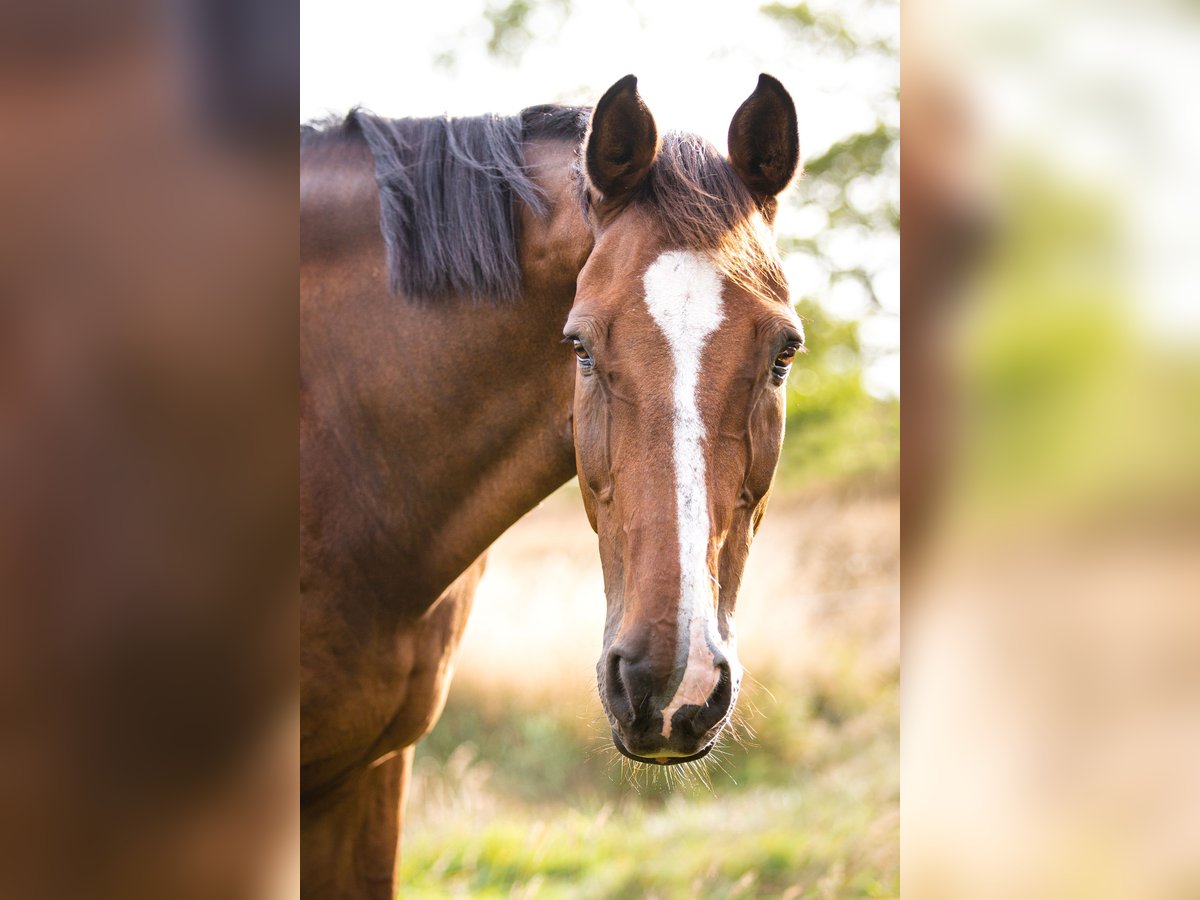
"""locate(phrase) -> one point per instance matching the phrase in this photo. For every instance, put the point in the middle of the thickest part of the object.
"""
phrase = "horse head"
(684, 335)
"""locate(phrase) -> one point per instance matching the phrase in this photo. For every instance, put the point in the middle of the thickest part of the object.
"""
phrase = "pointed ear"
(622, 141)
(764, 141)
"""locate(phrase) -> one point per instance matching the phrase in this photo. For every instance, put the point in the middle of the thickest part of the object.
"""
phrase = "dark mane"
(447, 188)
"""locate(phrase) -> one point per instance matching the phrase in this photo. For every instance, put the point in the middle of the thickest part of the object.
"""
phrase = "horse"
(490, 306)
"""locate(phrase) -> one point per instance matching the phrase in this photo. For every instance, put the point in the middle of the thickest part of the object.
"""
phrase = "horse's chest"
(374, 689)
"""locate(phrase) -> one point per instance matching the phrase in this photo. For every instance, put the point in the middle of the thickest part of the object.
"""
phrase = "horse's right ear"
(622, 141)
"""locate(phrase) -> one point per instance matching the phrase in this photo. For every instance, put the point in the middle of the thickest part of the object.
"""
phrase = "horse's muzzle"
(639, 730)
(660, 760)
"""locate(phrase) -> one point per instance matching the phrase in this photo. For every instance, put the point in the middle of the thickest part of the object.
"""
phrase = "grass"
(522, 802)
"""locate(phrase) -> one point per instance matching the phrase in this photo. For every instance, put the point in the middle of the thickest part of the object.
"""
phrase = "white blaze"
(683, 294)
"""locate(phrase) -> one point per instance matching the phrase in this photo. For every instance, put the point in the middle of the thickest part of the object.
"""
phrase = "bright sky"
(696, 62)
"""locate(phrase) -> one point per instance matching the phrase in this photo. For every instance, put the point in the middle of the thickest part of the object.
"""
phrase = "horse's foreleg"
(350, 835)
(349, 847)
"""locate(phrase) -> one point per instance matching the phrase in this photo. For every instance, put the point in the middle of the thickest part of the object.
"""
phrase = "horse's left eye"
(581, 354)
(784, 360)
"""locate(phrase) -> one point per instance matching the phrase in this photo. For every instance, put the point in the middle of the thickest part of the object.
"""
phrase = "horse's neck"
(428, 429)
(495, 434)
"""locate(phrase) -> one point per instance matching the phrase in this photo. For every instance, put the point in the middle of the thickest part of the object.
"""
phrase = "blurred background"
(1051, 444)
(518, 791)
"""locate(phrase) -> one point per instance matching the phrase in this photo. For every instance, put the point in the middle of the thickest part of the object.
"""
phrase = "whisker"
(698, 769)
(720, 765)
(746, 673)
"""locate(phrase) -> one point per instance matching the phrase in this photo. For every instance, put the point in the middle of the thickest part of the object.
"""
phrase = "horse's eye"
(581, 354)
(783, 361)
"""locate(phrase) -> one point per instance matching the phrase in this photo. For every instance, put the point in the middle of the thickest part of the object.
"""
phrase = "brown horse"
(443, 261)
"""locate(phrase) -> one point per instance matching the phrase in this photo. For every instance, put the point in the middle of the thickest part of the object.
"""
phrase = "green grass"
(516, 801)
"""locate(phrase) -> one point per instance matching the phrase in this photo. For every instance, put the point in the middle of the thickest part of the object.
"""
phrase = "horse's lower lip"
(660, 760)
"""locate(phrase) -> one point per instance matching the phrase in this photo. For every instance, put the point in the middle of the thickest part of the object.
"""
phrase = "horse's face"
(679, 411)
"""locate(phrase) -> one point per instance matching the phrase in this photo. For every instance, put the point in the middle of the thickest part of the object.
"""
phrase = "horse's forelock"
(704, 205)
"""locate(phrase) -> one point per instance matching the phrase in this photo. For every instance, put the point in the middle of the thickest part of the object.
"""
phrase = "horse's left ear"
(764, 140)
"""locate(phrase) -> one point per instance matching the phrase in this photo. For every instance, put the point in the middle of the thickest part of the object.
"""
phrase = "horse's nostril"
(698, 720)
(619, 703)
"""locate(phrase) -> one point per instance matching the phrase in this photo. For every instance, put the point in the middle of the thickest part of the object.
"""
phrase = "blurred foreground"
(148, 408)
(519, 792)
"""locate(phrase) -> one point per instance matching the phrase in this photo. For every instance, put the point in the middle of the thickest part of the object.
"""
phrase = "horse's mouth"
(661, 760)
